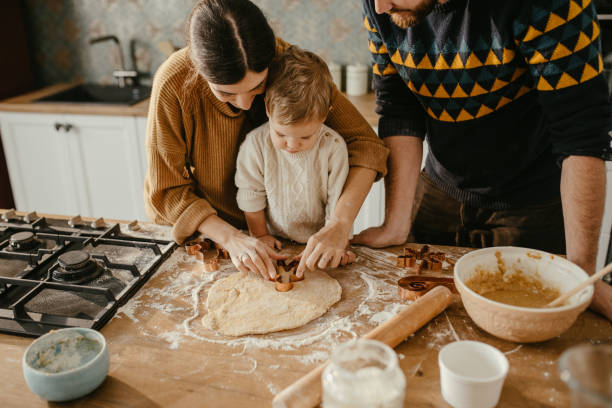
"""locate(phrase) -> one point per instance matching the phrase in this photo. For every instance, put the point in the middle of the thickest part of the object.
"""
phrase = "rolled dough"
(247, 304)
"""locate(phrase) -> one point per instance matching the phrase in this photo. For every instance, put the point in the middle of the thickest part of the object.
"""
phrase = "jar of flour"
(363, 373)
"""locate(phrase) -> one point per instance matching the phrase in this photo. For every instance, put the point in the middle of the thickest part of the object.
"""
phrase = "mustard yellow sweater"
(186, 118)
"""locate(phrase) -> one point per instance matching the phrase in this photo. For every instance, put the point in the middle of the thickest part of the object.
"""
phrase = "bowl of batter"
(505, 291)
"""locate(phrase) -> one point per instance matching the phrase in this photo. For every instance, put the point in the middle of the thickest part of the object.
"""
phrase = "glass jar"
(587, 370)
(363, 373)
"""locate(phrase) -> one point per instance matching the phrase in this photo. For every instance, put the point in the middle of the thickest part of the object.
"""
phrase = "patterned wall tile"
(60, 31)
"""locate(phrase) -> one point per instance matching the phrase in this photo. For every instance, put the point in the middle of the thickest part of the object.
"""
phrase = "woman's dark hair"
(227, 38)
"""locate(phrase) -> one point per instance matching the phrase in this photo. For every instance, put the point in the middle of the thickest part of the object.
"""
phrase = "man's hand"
(602, 299)
(379, 237)
(404, 165)
(583, 189)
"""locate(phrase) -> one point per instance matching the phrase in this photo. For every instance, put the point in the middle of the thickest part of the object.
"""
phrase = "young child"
(291, 170)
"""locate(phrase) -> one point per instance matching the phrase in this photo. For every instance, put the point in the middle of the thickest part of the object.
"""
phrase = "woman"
(205, 99)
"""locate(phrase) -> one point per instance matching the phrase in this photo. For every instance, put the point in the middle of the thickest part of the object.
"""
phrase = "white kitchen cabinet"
(75, 164)
(141, 133)
(38, 159)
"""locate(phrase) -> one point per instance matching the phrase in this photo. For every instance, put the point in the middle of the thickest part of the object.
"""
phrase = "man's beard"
(409, 18)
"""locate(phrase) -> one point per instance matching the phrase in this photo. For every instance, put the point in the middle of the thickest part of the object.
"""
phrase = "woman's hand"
(247, 253)
(270, 241)
(252, 254)
(327, 248)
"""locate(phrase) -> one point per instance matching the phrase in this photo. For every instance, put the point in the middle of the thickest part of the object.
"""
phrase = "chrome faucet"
(122, 73)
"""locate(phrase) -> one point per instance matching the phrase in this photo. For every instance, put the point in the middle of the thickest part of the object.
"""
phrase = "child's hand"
(348, 258)
(270, 241)
(326, 248)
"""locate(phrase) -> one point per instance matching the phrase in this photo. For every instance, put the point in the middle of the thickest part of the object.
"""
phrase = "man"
(515, 107)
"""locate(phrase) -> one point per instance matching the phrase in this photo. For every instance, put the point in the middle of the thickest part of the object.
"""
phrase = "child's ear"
(330, 108)
(267, 112)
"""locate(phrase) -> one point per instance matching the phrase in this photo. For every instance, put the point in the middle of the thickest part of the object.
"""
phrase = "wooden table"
(155, 364)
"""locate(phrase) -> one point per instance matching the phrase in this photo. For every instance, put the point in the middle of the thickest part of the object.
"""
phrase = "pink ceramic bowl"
(522, 324)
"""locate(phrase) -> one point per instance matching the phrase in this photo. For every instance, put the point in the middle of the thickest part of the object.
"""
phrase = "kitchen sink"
(102, 94)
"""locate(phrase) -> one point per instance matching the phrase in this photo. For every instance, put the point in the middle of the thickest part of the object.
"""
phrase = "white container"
(356, 79)
(363, 374)
(472, 374)
(336, 73)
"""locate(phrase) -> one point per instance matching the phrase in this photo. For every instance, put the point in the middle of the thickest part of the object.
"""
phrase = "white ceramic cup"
(472, 374)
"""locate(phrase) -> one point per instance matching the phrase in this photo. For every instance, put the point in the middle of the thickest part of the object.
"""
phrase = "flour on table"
(244, 303)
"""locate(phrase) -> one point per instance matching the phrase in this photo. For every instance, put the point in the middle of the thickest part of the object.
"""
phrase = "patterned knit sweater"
(504, 90)
(298, 191)
(186, 122)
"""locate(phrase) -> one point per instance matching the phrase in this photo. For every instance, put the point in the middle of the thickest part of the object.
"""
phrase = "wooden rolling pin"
(306, 392)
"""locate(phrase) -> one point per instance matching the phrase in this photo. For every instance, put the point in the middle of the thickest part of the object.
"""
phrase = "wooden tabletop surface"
(161, 356)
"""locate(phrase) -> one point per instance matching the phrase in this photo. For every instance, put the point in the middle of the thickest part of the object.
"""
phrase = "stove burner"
(76, 267)
(23, 241)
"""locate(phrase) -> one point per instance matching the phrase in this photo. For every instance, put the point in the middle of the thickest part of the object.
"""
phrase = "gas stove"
(57, 273)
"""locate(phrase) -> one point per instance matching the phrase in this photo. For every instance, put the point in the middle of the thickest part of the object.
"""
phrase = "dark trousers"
(440, 219)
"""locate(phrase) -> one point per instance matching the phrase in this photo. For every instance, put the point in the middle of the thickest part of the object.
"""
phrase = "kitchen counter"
(24, 103)
(161, 356)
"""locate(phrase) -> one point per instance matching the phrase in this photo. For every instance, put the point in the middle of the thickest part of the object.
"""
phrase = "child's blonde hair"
(299, 87)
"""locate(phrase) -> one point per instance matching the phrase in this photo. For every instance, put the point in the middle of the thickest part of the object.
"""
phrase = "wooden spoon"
(594, 278)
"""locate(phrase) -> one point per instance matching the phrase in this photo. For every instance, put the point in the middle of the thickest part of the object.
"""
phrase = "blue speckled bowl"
(75, 377)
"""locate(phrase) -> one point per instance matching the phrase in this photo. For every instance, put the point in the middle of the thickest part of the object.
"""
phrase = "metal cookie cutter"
(221, 252)
(429, 261)
(192, 248)
(212, 264)
(196, 248)
(414, 286)
(285, 272)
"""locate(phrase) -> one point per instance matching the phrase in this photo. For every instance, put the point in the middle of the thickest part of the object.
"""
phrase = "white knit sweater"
(298, 190)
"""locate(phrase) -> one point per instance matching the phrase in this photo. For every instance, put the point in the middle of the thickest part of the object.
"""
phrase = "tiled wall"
(59, 31)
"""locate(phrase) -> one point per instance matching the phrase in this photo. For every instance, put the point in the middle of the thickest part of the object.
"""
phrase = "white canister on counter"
(336, 74)
(363, 374)
(356, 79)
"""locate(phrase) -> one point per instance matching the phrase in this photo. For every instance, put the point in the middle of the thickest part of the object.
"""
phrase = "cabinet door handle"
(66, 126)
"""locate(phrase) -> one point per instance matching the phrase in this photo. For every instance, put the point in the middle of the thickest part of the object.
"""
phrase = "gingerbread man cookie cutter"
(285, 275)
